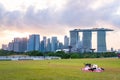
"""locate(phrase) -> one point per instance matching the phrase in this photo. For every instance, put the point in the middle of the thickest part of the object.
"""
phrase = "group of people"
(92, 67)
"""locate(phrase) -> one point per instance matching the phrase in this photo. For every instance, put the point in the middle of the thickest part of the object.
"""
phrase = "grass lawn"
(64, 69)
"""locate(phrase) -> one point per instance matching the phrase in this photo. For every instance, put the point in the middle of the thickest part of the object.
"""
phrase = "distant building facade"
(33, 42)
(20, 44)
(74, 39)
(54, 44)
(60, 46)
(4, 47)
(42, 46)
(11, 46)
(101, 41)
(48, 45)
(23, 45)
(87, 40)
(66, 42)
(16, 45)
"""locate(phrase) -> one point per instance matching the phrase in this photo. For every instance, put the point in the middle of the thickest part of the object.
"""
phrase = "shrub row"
(61, 54)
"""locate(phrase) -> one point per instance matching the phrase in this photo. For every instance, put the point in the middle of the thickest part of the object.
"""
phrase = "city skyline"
(79, 43)
(35, 43)
(56, 18)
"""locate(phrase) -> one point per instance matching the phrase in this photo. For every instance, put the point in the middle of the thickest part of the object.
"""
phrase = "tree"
(34, 53)
(75, 55)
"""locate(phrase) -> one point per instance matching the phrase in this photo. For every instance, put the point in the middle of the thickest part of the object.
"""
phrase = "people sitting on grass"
(119, 55)
(92, 67)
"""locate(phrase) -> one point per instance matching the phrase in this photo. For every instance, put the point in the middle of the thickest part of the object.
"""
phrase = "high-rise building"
(66, 42)
(54, 44)
(20, 44)
(42, 46)
(16, 44)
(86, 44)
(74, 39)
(33, 42)
(48, 45)
(101, 41)
(23, 45)
(11, 46)
(45, 43)
(60, 45)
(4, 47)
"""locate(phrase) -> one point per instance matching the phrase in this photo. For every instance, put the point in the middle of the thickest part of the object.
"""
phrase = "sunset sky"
(19, 18)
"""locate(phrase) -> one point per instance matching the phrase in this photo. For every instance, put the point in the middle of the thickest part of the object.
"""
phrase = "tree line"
(61, 54)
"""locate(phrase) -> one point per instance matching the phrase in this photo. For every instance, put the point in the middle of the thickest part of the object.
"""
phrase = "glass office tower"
(33, 42)
(101, 41)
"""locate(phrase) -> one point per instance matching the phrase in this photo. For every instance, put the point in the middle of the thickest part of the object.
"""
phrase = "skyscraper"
(20, 44)
(4, 47)
(54, 44)
(23, 45)
(16, 44)
(74, 38)
(45, 43)
(42, 46)
(33, 42)
(48, 45)
(101, 41)
(10, 46)
(66, 42)
(87, 40)
(60, 45)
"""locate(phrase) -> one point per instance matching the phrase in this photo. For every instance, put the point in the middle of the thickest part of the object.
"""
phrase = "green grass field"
(65, 69)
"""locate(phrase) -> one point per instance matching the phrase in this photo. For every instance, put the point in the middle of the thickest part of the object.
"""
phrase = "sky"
(20, 18)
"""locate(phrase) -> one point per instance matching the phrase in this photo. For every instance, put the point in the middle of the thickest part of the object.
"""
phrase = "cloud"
(2, 11)
(51, 22)
(80, 13)
(77, 13)
(74, 13)
(40, 17)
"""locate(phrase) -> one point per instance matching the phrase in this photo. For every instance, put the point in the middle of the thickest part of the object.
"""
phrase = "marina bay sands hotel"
(87, 38)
